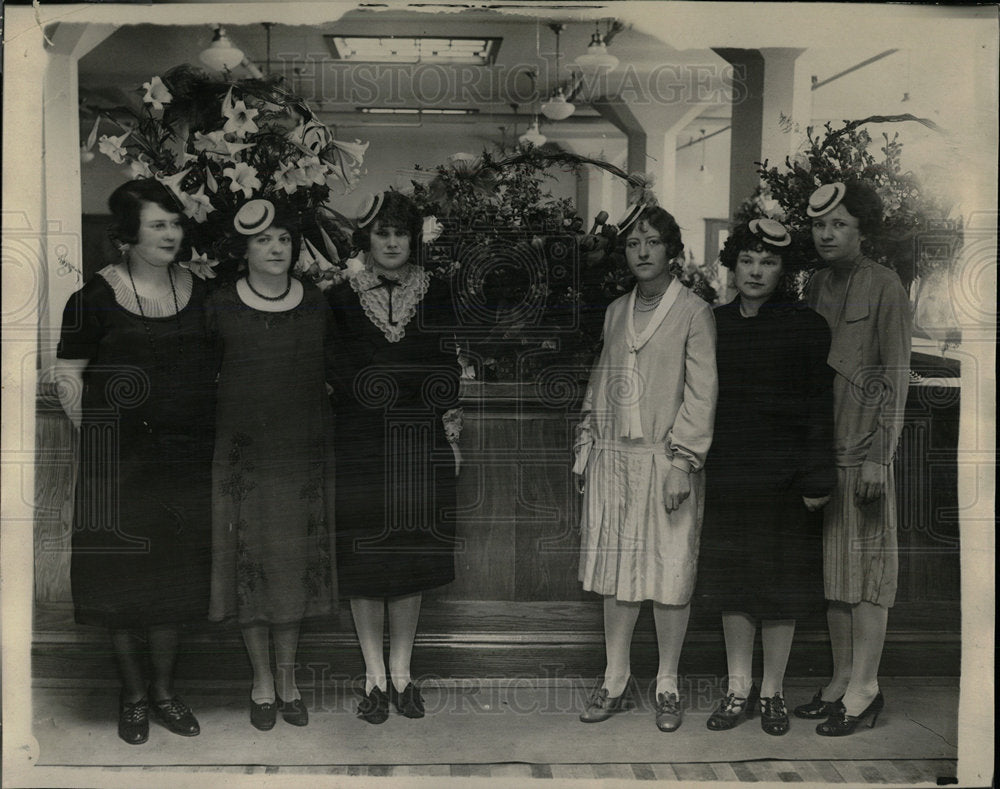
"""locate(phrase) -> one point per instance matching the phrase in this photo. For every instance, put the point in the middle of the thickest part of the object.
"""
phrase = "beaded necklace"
(260, 295)
(647, 303)
(145, 323)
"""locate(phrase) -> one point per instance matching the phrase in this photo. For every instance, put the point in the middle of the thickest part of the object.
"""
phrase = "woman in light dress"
(647, 427)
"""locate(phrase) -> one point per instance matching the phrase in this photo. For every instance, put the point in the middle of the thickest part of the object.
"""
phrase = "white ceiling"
(133, 53)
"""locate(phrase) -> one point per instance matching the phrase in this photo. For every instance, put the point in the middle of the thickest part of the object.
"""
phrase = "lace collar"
(163, 307)
(374, 297)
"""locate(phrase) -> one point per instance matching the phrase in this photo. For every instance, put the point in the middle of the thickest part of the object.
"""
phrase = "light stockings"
(403, 615)
(286, 642)
(369, 621)
(776, 636)
(255, 638)
(869, 622)
(619, 622)
(857, 636)
(739, 631)
(671, 626)
(286, 645)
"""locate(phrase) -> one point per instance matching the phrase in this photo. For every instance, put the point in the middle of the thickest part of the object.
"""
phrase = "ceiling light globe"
(557, 108)
(597, 57)
(221, 55)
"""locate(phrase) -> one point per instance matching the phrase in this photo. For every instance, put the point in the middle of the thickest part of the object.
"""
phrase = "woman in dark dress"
(395, 392)
(136, 374)
(273, 558)
(770, 470)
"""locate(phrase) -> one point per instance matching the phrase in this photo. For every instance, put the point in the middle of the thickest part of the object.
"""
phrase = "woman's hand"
(579, 482)
(815, 504)
(871, 485)
(676, 488)
(69, 387)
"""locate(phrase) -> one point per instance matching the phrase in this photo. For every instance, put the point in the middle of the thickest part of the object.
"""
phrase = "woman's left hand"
(871, 484)
(676, 488)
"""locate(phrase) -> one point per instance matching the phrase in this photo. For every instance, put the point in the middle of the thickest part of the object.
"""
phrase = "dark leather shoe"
(176, 716)
(668, 712)
(374, 707)
(294, 712)
(601, 706)
(773, 715)
(817, 708)
(733, 709)
(409, 703)
(263, 716)
(133, 721)
(840, 724)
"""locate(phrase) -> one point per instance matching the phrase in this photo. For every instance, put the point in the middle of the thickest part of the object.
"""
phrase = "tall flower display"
(910, 213)
(530, 284)
(217, 143)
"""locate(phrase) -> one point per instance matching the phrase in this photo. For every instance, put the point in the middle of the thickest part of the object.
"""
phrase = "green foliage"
(911, 215)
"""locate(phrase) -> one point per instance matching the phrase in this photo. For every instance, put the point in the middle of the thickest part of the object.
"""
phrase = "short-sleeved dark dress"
(272, 545)
(142, 520)
(395, 468)
(761, 549)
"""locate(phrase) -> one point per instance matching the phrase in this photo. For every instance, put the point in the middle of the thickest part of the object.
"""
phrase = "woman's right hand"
(580, 480)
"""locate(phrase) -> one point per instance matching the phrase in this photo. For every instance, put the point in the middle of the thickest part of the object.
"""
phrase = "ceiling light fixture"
(414, 49)
(558, 108)
(533, 136)
(223, 55)
(597, 57)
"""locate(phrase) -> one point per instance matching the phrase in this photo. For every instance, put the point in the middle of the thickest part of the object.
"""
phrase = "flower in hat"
(244, 178)
(157, 93)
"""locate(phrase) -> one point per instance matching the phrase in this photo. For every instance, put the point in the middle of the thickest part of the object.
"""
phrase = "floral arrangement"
(530, 283)
(844, 153)
(216, 143)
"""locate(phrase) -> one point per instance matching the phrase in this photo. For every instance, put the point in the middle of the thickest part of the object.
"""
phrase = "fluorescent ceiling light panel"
(413, 49)
(416, 111)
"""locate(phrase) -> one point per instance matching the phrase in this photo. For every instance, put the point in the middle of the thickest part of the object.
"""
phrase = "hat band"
(369, 215)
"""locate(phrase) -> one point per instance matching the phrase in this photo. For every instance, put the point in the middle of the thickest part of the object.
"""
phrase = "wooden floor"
(849, 773)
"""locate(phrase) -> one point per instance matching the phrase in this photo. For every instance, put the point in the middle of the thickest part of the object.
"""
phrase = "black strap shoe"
(773, 715)
(374, 708)
(409, 703)
(263, 716)
(733, 709)
(817, 708)
(294, 712)
(133, 721)
(176, 716)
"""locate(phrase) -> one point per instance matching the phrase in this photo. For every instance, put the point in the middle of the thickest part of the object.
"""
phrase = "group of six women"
(255, 379)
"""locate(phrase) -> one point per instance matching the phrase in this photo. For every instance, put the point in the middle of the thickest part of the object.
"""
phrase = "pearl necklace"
(647, 303)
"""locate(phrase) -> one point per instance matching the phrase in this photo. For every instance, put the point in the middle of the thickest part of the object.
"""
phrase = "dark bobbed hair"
(285, 221)
(743, 239)
(863, 203)
(126, 204)
(661, 221)
(397, 211)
